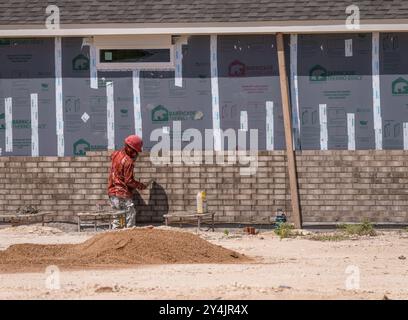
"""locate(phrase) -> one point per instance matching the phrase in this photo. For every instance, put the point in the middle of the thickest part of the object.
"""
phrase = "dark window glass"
(134, 55)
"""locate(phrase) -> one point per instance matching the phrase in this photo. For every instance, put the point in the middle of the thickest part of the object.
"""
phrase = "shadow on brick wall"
(156, 207)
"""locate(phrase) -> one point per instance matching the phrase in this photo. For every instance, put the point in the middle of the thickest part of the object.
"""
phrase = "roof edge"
(309, 26)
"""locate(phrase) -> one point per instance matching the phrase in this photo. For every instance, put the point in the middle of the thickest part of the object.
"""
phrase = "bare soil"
(294, 268)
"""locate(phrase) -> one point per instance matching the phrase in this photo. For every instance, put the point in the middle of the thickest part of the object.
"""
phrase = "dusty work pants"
(124, 204)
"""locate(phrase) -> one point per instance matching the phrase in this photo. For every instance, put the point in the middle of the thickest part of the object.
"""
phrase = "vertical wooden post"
(287, 120)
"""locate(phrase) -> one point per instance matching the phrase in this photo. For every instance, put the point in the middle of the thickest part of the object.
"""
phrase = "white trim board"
(164, 29)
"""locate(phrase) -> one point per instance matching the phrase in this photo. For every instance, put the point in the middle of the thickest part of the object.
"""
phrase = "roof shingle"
(184, 11)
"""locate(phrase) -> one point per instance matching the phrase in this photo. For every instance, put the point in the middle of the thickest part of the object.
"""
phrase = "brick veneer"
(334, 186)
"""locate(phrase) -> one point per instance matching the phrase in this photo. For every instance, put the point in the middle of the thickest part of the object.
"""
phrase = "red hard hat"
(135, 142)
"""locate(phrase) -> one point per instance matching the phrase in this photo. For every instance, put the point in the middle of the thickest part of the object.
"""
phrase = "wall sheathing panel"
(394, 88)
(84, 108)
(335, 71)
(27, 66)
(335, 81)
(163, 103)
(248, 79)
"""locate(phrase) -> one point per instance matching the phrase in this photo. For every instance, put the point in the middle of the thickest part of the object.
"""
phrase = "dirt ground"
(294, 268)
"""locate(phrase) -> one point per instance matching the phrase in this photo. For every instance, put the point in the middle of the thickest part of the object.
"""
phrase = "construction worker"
(121, 180)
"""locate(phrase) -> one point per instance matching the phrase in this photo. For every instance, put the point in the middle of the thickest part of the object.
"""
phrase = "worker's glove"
(141, 186)
(149, 183)
(130, 205)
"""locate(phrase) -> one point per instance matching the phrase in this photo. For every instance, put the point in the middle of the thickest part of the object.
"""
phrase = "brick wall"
(347, 186)
(67, 185)
(334, 186)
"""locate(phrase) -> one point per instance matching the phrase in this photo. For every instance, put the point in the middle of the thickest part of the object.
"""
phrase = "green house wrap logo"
(124, 113)
(19, 123)
(400, 86)
(81, 147)
(318, 74)
(160, 114)
(2, 117)
(80, 63)
(44, 86)
(5, 42)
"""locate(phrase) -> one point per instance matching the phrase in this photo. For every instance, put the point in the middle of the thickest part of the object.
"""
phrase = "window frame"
(134, 65)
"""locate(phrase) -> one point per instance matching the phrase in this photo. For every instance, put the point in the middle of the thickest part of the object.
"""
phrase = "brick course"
(334, 186)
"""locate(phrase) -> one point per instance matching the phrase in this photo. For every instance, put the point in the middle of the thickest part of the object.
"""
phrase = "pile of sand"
(31, 229)
(119, 248)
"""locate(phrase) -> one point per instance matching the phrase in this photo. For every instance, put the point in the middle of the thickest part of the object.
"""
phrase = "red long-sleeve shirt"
(121, 181)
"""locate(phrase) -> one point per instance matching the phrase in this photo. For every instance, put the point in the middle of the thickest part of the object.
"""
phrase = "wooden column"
(287, 120)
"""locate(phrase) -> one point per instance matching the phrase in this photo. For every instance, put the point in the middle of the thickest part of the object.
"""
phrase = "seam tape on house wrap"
(294, 89)
(110, 112)
(136, 102)
(58, 97)
(405, 134)
(178, 76)
(34, 125)
(348, 47)
(178, 52)
(92, 67)
(323, 126)
(93, 72)
(378, 139)
(86, 42)
(8, 110)
(215, 93)
(376, 90)
(243, 120)
(166, 130)
(269, 126)
(351, 132)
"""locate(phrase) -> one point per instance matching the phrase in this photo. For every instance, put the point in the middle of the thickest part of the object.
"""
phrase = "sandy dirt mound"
(119, 248)
(32, 229)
